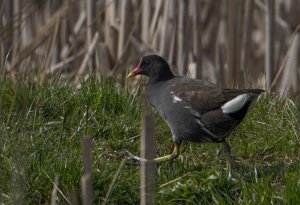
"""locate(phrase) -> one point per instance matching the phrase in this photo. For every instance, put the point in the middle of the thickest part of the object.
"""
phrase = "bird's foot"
(138, 160)
(132, 156)
(169, 157)
(132, 159)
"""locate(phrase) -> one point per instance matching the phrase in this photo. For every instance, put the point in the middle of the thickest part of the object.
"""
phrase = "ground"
(42, 126)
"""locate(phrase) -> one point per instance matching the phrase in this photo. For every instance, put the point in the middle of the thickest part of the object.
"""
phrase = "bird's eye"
(146, 62)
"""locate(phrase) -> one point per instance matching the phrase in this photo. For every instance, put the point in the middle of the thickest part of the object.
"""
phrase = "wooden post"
(86, 179)
(148, 171)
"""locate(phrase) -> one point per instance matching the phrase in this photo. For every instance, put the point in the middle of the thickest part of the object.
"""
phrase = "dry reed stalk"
(79, 22)
(55, 185)
(146, 6)
(175, 180)
(155, 39)
(25, 30)
(154, 22)
(29, 24)
(49, 55)
(16, 31)
(221, 56)
(54, 191)
(66, 48)
(234, 40)
(182, 38)
(213, 39)
(86, 179)
(83, 65)
(124, 25)
(269, 59)
(113, 182)
(246, 44)
(120, 60)
(172, 47)
(40, 36)
(102, 57)
(148, 170)
(211, 25)
(89, 12)
(286, 57)
(88, 7)
(195, 12)
(64, 62)
(290, 77)
(110, 36)
(163, 28)
(62, 46)
(289, 67)
(278, 20)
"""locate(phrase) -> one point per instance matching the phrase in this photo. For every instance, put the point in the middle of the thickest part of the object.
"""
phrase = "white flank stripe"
(235, 104)
(200, 123)
(195, 113)
(206, 130)
(176, 99)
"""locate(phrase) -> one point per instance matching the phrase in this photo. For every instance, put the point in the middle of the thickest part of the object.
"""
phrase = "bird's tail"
(238, 106)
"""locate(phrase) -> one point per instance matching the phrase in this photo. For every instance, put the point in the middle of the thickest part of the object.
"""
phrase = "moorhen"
(195, 110)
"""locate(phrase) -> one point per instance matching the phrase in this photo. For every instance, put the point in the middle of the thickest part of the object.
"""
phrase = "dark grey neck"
(159, 78)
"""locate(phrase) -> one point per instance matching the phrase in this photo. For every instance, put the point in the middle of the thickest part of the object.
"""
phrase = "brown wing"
(201, 96)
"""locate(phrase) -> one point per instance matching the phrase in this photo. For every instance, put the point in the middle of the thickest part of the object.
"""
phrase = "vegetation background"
(228, 41)
(62, 68)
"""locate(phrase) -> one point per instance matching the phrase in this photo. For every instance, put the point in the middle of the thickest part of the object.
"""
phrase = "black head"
(153, 66)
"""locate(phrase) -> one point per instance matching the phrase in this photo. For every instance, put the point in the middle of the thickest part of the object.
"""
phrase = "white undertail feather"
(236, 103)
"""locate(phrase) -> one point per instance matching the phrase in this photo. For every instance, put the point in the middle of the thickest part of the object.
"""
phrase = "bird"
(195, 110)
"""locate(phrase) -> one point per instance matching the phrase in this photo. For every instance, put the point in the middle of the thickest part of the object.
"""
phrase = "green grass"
(42, 127)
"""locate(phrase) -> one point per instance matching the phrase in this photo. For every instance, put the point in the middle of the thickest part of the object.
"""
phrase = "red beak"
(136, 70)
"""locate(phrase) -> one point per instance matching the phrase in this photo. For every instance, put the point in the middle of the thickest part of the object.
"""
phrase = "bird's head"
(153, 66)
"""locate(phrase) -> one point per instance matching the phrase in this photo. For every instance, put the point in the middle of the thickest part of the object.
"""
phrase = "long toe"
(132, 159)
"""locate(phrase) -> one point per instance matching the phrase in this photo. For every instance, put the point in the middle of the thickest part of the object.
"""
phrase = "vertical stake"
(86, 181)
(148, 171)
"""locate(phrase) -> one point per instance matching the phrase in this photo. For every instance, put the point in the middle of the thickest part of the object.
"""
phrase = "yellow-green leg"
(174, 155)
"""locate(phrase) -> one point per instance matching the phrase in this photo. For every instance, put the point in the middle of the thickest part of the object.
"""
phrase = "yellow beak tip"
(130, 75)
